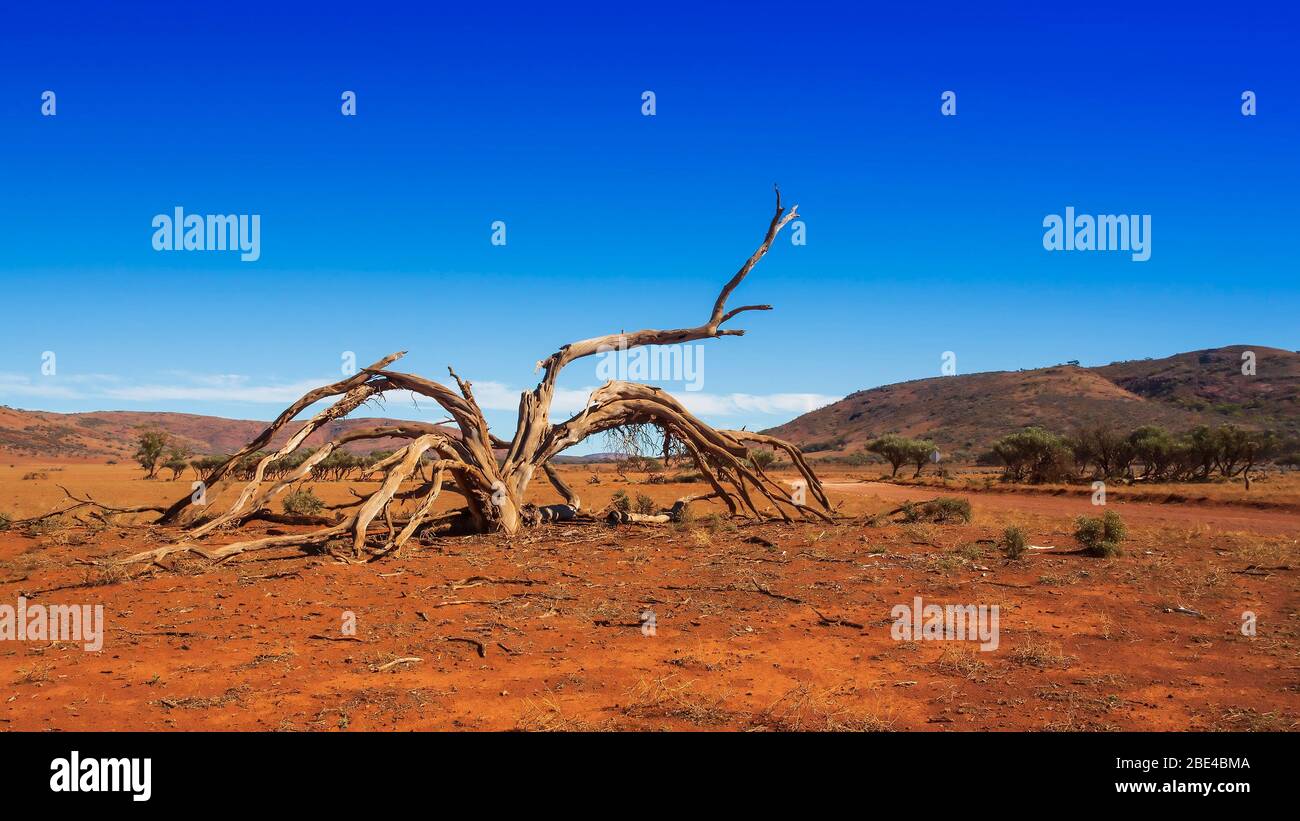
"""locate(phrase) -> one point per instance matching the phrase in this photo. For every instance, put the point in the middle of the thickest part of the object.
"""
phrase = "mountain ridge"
(964, 414)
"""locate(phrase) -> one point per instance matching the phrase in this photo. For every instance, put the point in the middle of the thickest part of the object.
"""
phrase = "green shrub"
(1033, 455)
(620, 501)
(303, 503)
(1102, 536)
(943, 510)
(948, 509)
(644, 504)
(1115, 529)
(151, 445)
(1014, 543)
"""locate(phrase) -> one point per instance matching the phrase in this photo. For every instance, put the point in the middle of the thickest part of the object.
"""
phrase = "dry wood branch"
(354, 399)
(80, 502)
(395, 662)
(492, 474)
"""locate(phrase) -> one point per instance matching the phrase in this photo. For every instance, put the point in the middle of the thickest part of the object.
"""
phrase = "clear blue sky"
(924, 231)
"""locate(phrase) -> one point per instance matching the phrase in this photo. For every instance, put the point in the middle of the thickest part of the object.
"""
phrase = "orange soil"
(756, 626)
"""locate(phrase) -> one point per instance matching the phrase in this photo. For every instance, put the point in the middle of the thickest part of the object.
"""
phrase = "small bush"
(34, 475)
(303, 503)
(1116, 531)
(943, 510)
(948, 508)
(1102, 536)
(620, 501)
(644, 504)
(1013, 543)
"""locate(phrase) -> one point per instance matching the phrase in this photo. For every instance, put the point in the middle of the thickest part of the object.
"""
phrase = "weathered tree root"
(493, 474)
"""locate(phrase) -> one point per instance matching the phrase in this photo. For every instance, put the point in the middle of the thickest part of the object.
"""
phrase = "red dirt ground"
(757, 626)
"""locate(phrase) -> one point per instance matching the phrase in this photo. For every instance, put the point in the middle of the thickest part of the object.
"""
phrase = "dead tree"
(493, 474)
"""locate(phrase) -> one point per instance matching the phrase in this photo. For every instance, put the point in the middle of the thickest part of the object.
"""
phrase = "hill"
(104, 435)
(1211, 382)
(965, 414)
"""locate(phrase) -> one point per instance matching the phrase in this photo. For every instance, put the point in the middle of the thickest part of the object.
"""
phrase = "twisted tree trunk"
(492, 474)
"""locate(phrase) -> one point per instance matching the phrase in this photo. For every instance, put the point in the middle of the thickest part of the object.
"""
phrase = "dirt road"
(1224, 518)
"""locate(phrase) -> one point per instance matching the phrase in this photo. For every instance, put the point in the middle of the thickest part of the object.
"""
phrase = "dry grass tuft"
(962, 660)
(1041, 654)
(806, 708)
(663, 698)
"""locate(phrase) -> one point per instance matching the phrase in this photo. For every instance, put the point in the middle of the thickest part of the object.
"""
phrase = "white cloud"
(216, 390)
(735, 404)
(193, 388)
(568, 401)
(53, 386)
(491, 396)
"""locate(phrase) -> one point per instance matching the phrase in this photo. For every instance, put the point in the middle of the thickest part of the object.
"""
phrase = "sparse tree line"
(156, 451)
(1148, 453)
(339, 466)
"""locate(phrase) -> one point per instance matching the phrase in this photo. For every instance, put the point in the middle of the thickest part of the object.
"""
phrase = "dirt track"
(1225, 518)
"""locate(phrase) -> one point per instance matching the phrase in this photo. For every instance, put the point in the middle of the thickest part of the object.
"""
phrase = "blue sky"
(924, 232)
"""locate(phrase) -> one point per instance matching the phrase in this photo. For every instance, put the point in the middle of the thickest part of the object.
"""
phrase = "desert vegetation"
(337, 466)
(900, 450)
(1101, 536)
(1148, 453)
(156, 450)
